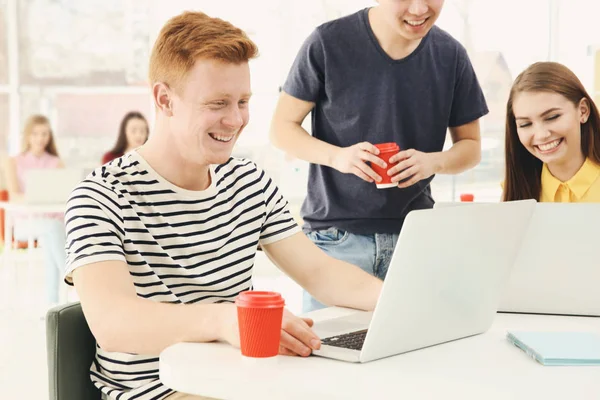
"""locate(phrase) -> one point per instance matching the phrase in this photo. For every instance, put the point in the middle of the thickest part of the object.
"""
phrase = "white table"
(28, 212)
(485, 366)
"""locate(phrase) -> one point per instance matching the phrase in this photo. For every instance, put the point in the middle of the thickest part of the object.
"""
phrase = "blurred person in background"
(133, 133)
(39, 152)
(552, 138)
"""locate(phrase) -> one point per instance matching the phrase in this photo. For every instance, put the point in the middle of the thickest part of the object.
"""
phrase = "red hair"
(191, 36)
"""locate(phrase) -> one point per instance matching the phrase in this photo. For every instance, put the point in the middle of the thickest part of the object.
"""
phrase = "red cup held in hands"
(386, 150)
(259, 319)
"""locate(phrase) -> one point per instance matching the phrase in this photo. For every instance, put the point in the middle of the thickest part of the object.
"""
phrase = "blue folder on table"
(559, 348)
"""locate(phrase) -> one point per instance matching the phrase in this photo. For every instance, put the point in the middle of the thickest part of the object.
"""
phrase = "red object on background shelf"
(18, 245)
(466, 197)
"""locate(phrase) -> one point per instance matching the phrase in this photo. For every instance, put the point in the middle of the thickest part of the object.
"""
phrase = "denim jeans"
(371, 253)
(51, 235)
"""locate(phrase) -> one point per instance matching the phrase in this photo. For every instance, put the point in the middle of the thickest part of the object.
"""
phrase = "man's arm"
(465, 152)
(332, 282)
(288, 135)
(123, 322)
(415, 165)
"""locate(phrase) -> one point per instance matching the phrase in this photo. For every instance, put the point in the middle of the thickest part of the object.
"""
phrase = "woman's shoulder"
(19, 159)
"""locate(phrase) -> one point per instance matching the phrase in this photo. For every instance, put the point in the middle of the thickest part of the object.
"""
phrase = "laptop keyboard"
(352, 340)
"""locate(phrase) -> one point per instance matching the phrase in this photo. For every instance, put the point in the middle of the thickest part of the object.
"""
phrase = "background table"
(28, 212)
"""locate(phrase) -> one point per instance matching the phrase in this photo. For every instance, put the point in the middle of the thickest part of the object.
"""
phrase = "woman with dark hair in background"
(552, 138)
(133, 133)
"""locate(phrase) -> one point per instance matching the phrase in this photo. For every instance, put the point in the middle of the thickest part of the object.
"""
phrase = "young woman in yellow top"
(552, 138)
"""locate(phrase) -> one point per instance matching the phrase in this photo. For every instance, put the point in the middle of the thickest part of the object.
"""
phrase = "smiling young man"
(384, 74)
(162, 240)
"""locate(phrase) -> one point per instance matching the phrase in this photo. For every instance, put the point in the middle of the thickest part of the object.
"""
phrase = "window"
(94, 42)
(84, 65)
(578, 39)
(3, 44)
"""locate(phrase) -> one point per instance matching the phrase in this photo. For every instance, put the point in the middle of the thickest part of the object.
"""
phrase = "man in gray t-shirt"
(383, 74)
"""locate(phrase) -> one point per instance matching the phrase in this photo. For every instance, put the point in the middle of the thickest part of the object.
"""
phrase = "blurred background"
(84, 65)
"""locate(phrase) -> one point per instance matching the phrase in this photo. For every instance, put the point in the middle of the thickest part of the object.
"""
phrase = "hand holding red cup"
(386, 150)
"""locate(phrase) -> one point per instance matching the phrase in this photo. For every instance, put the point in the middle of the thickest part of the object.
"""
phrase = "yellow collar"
(579, 184)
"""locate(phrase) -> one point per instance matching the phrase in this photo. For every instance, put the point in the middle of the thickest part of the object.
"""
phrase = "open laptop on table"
(51, 186)
(557, 270)
(445, 280)
(558, 267)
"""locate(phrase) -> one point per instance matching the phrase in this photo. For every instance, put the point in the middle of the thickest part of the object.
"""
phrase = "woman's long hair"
(121, 144)
(32, 122)
(523, 170)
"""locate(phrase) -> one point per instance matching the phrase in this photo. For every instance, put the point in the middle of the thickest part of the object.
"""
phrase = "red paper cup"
(386, 150)
(467, 197)
(259, 319)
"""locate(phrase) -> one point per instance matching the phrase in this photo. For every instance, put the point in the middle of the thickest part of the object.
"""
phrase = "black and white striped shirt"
(180, 246)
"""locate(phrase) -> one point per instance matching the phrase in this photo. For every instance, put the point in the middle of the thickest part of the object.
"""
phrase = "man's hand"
(353, 160)
(412, 165)
(297, 339)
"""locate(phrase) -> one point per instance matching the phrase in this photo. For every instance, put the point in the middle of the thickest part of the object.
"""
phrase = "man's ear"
(163, 98)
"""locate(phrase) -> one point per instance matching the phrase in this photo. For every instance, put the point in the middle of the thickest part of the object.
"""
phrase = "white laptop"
(51, 186)
(445, 280)
(558, 268)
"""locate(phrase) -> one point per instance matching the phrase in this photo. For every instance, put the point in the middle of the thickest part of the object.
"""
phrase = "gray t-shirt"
(362, 94)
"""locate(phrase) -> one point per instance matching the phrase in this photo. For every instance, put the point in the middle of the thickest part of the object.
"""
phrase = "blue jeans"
(372, 253)
(51, 235)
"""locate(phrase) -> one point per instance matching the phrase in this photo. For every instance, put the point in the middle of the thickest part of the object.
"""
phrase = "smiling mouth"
(416, 23)
(221, 138)
(548, 147)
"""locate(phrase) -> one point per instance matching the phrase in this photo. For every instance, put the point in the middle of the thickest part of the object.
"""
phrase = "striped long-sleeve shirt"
(180, 246)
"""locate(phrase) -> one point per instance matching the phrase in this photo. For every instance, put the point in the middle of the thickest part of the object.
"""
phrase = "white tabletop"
(485, 366)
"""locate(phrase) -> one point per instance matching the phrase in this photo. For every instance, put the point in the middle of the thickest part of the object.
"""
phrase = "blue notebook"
(559, 348)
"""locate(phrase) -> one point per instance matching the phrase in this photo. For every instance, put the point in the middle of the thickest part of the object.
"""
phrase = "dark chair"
(71, 348)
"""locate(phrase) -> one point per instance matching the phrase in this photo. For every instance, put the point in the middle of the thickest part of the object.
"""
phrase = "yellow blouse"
(584, 187)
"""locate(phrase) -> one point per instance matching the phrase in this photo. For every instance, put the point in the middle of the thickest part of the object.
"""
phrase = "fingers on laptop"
(297, 337)
(293, 345)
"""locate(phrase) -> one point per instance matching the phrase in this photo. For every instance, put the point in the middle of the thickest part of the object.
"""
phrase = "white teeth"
(221, 138)
(549, 146)
(416, 23)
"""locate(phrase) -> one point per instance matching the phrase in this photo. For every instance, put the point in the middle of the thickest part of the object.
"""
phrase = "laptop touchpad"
(341, 325)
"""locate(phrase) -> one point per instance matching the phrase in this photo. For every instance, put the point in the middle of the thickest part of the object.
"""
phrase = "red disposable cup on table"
(259, 318)
(386, 150)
